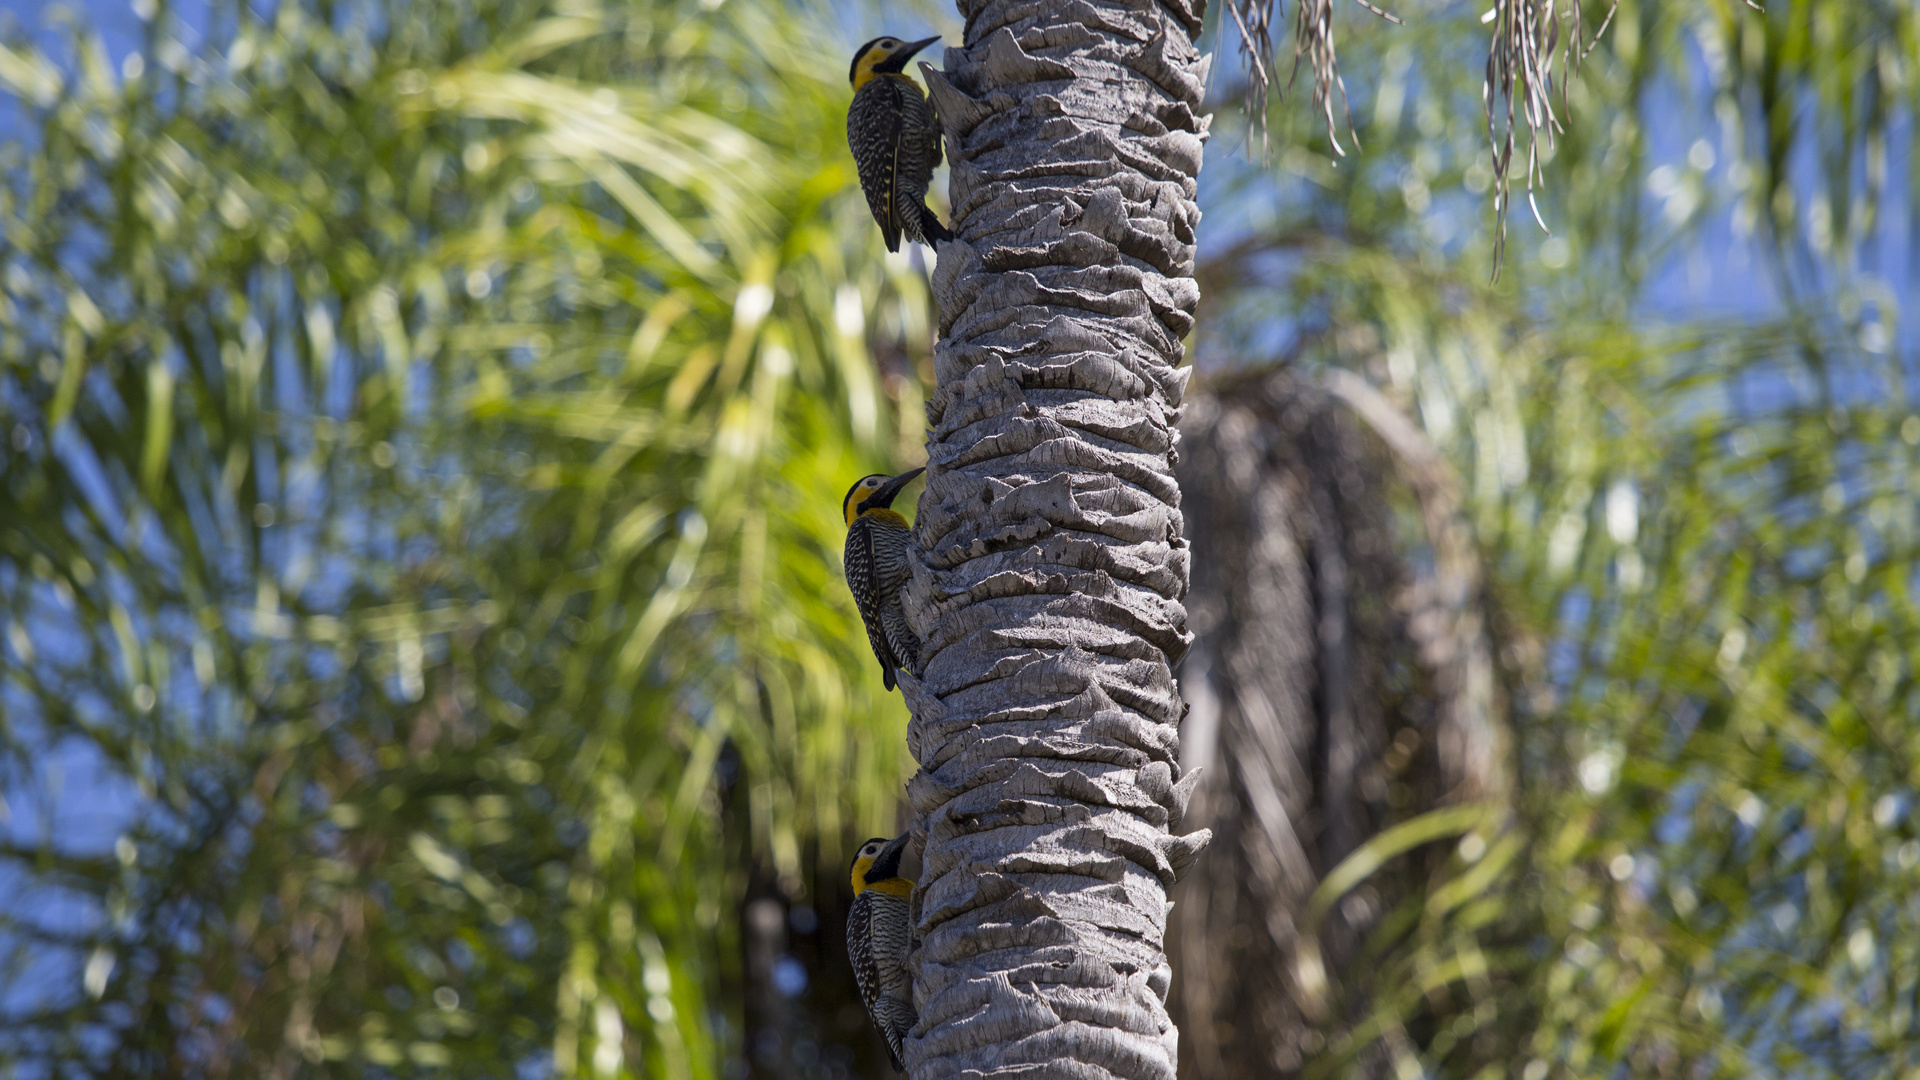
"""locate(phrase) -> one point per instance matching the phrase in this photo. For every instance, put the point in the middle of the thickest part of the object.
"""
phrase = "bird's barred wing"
(866, 973)
(890, 1015)
(858, 559)
(895, 1019)
(873, 134)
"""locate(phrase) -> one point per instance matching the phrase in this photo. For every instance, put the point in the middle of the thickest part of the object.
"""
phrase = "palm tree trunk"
(1052, 566)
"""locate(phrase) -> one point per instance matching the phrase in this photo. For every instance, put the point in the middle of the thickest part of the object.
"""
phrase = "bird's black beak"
(884, 497)
(914, 47)
(887, 863)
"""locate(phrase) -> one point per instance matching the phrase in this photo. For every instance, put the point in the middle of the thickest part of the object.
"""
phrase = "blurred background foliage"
(426, 430)
(1684, 434)
(423, 426)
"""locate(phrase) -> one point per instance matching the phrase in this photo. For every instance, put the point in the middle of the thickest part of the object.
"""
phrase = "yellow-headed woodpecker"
(876, 564)
(878, 938)
(895, 140)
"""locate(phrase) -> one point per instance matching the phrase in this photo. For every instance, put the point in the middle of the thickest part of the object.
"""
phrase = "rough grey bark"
(1051, 567)
(1338, 687)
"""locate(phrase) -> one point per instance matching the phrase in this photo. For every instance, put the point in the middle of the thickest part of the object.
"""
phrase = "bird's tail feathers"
(931, 228)
(896, 1018)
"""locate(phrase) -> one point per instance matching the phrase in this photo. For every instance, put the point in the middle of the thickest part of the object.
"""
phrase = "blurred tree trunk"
(1338, 686)
(1049, 580)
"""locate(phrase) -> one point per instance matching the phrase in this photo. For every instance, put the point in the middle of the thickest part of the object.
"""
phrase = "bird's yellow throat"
(890, 517)
(863, 73)
(893, 886)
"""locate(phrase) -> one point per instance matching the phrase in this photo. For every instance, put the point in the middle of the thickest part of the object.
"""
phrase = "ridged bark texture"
(1051, 569)
(1340, 684)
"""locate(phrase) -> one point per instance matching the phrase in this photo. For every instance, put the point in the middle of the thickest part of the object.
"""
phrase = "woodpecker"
(878, 939)
(895, 140)
(876, 565)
